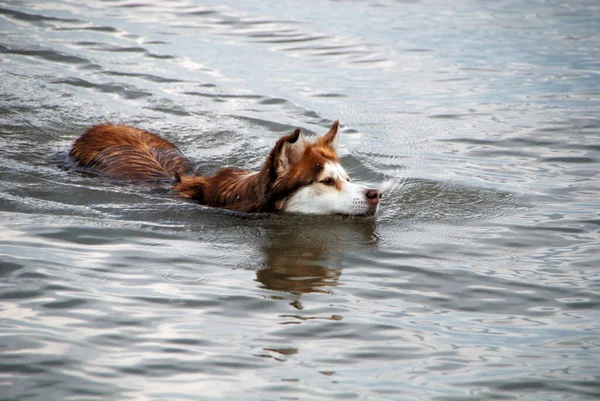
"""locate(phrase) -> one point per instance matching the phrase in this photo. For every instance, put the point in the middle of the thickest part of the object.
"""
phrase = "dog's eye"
(327, 181)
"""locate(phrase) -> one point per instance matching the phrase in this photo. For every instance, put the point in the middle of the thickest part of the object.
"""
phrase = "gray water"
(479, 279)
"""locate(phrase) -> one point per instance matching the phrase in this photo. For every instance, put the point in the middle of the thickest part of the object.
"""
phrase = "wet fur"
(124, 152)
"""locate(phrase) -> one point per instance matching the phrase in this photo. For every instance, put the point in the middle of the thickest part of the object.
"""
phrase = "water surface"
(479, 279)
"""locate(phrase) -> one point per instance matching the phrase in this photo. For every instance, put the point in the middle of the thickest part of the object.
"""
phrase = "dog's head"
(308, 178)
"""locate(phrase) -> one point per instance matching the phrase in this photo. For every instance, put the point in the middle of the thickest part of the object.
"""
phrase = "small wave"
(125, 91)
(148, 77)
(422, 200)
(45, 54)
(34, 18)
(104, 29)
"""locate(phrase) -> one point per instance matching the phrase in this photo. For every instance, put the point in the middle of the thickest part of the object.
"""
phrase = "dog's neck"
(291, 164)
(236, 189)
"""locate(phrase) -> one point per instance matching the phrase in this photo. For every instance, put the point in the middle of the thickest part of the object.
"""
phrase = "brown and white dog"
(298, 176)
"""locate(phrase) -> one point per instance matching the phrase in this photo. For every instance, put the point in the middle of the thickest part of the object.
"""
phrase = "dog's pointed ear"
(329, 139)
(290, 150)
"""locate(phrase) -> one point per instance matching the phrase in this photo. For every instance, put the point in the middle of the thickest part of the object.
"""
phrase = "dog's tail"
(123, 152)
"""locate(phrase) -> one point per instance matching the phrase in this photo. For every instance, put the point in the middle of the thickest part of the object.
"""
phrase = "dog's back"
(124, 152)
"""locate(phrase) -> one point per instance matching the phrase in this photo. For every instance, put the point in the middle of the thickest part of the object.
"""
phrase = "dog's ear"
(290, 150)
(329, 139)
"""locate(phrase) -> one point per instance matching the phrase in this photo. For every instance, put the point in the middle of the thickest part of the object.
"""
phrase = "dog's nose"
(373, 196)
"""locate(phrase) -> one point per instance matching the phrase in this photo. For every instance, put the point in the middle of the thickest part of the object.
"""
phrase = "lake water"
(478, 280)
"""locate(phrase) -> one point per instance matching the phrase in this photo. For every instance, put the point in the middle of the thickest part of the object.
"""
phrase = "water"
(478, 280)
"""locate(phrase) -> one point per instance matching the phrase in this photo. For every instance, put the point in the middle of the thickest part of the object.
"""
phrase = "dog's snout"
(373, 196)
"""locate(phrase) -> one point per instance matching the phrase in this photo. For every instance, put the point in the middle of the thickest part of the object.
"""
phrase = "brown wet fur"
(124, 152)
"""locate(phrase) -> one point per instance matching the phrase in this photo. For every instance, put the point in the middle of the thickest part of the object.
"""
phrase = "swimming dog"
(298, 176)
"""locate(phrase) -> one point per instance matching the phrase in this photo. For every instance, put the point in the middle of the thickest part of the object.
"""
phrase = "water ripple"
(478, 279)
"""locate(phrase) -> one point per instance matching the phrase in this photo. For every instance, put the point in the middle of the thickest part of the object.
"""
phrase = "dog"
(298, 176)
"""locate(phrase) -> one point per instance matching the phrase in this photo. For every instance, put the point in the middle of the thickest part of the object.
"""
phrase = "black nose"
(373, 196)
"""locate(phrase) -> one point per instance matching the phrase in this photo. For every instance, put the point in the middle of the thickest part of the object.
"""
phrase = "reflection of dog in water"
(308, 258)
(297, 176)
